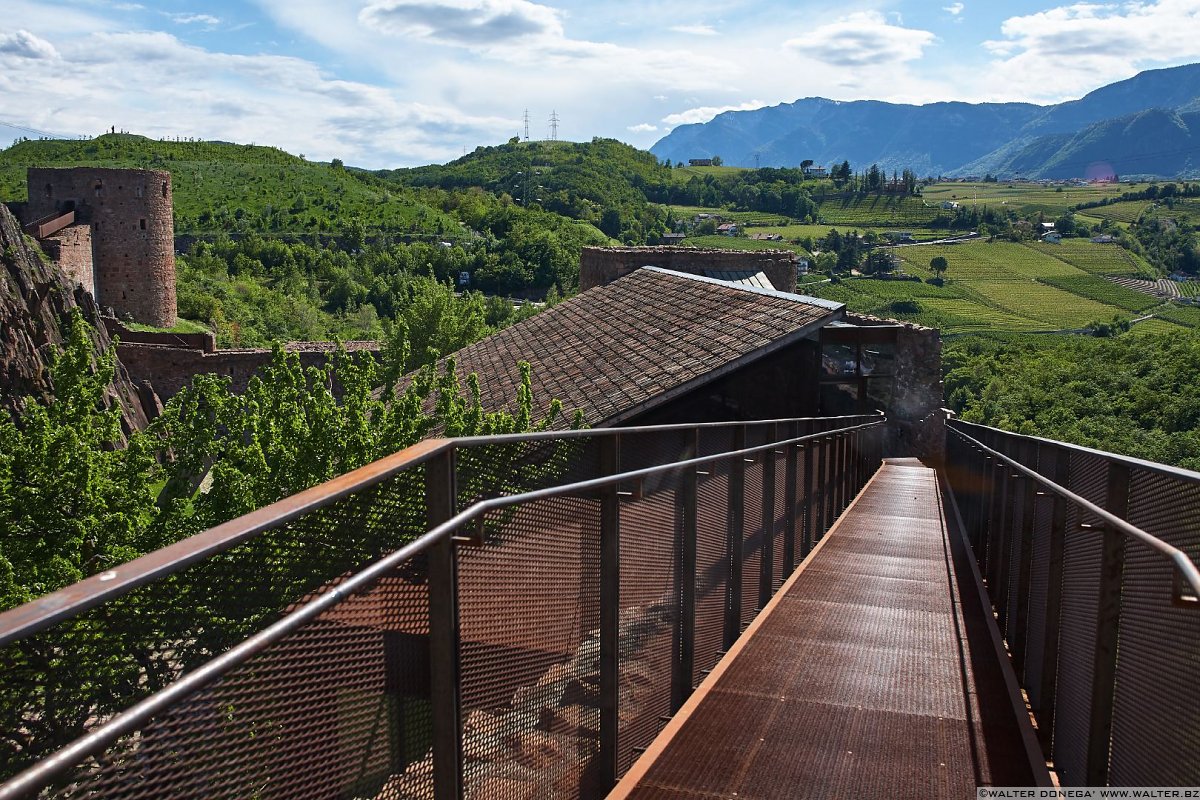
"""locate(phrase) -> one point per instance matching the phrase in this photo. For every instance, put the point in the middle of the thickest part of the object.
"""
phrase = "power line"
(31, 130)
(554, 126)
(527, 124)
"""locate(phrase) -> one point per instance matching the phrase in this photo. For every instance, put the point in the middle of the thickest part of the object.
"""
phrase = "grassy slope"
(221, 186)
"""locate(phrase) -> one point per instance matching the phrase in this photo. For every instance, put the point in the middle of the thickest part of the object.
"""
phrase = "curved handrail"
(137, 715)
(1185, 568)
(1133, 461)
(45, 611)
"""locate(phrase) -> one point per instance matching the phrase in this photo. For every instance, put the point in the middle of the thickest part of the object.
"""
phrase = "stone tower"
(128, 214)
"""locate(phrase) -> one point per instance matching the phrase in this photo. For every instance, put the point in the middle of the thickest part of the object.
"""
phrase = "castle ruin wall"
(132, 229)
(71, 249)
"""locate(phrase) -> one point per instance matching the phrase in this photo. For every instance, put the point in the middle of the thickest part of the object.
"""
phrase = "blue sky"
(387, 83)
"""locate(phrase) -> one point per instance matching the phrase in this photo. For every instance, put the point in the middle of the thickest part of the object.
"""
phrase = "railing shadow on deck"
(505, 616)
(1085, 555)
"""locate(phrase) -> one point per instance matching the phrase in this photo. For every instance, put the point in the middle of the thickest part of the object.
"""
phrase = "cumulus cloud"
(705, 113)
(1078, 47)
(191, 19)
(864, 38)
(462, 22)
(695, 30)
(643, 127)
(954, 9)
(24, 44)
(284, 101)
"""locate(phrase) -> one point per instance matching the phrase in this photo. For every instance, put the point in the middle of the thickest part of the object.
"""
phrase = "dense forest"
(1136, 395)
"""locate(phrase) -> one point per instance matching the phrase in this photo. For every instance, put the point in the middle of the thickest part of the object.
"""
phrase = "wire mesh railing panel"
(338, 708)
(1039, 586)
(494, 469)
(1077, 645)
(779, 520)
(712, 567)
(753, 539)
(529, 649)
(650, 529)
(1156, 719)
(102, 661)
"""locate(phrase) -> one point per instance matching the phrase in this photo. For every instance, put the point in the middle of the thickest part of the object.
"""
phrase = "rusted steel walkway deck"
(872, 674)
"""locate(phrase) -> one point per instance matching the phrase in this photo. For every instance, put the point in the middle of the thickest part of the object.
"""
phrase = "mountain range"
(1147, 125)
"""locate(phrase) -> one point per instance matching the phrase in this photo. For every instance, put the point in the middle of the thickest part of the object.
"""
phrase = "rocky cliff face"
(36, 299)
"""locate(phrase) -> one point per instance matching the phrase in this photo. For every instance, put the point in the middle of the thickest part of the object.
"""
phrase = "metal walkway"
(873, 673)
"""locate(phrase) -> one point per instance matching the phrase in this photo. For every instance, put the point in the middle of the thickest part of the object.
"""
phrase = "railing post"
(1108, 620)
(767, 557)
(445, 681)
(1054, 582)
(610, 612)
(807, 523)
(1007, 535)
(789, 501)
(1019, 630)
(839, 477)
(733, 540)
(685, 637)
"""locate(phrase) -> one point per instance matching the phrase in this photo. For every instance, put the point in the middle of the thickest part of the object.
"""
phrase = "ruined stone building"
(113, 232)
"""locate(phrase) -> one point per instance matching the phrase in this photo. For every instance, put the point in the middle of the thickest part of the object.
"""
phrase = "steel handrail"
(45, 611)
(128, 721)
(1185, 568)
(1152, 466)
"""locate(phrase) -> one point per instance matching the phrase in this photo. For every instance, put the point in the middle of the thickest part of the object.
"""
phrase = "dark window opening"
(137, 190)
(49, 190)
(142, 224)
(164, 188)
(98, 187)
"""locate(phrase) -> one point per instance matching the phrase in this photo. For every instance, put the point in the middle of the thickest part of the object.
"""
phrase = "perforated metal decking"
(873, 674)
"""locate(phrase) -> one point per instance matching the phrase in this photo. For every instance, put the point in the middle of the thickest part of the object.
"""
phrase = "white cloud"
(864, 38)
(1071, 49)
(462, 22)
(695, 30)
(706, 113)
(643, 127)
(24, 44)
(283, 101)
(191, 19)
(954, 9)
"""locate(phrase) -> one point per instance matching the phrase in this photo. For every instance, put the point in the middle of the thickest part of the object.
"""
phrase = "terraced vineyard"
(1102, 291)
(1009, 286)
(1098, 259)
(876, 211)
(1126, 212)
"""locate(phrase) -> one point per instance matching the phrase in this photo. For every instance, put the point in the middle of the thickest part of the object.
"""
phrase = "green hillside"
(600, 182)
(223, 187)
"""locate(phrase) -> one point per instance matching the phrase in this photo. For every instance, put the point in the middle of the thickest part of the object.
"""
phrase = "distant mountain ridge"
(1146, 125)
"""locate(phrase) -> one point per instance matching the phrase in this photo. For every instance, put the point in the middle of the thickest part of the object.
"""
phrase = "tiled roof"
(619, 349)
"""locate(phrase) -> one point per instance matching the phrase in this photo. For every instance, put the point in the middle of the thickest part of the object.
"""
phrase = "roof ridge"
(796, 298)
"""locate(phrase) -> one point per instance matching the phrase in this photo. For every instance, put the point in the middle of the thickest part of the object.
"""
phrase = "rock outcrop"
(36, 299)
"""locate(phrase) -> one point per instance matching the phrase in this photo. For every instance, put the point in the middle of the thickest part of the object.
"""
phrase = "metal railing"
(510, 616)
(1086, 558)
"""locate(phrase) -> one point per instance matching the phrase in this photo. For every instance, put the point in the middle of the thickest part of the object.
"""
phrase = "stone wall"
(207, 341)
(71, 249)
(132, 229)
(168, 369)
(601, 265)
(917, 421)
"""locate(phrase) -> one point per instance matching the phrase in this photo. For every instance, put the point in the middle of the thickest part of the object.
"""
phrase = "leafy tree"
(939, 265)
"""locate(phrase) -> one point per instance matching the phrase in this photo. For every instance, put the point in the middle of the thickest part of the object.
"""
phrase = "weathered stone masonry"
(128, 216)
